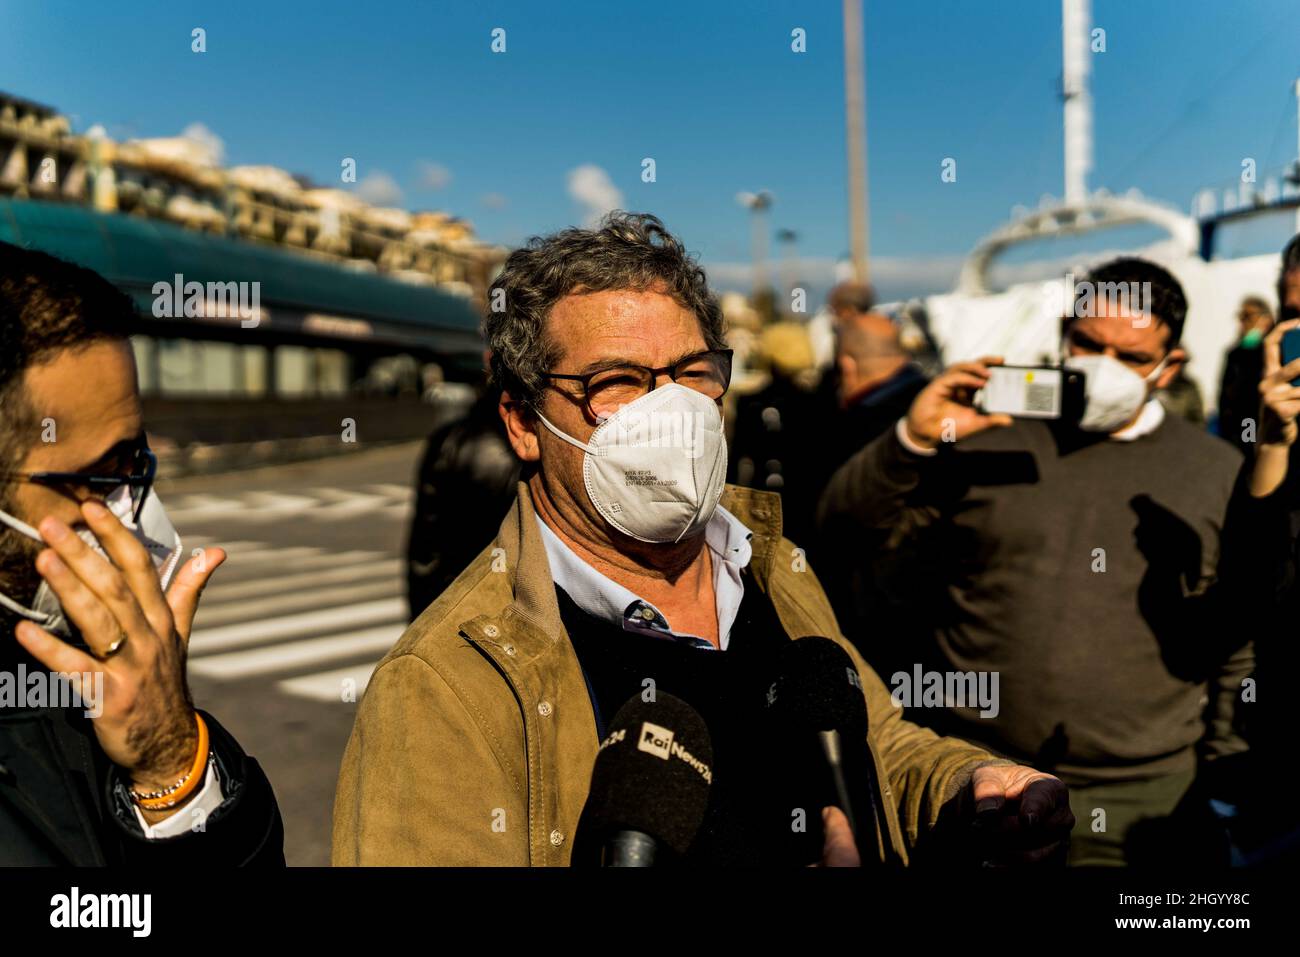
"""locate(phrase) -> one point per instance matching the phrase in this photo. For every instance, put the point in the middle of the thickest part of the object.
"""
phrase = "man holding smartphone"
(119, 768)
(1077, 559)
(1275, 494)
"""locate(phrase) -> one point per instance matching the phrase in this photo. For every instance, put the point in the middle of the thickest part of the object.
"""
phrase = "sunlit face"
(594, 330)
(89, 420)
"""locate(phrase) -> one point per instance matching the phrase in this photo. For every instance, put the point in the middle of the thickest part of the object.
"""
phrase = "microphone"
(817, 697)
(649, 787)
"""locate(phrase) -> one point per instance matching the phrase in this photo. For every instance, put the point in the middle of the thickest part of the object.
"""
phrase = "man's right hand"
(944, 410)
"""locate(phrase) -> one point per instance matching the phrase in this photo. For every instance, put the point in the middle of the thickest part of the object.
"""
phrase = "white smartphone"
(1031, 392)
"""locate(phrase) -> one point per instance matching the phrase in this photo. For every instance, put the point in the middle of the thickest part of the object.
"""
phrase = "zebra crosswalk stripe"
(298, 654)
(326, 608)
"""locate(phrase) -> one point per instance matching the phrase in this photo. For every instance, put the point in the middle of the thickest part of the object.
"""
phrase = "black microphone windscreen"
(817, 688)
(653, 773)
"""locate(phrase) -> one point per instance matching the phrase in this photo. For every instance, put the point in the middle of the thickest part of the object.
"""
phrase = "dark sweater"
(1103, 675)
(747, 819)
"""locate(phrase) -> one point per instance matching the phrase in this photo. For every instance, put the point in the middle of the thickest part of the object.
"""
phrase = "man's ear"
(521, 427)
(1177, 357)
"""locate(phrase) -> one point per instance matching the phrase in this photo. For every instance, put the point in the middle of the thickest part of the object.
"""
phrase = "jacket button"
(557, 838)
(544, 709)
(491, 631)
(510, 650)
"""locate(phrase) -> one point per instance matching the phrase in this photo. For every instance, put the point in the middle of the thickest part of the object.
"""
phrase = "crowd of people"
(1070, 634)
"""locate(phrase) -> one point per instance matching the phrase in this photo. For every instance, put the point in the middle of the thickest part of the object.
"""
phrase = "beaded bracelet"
(168, 797)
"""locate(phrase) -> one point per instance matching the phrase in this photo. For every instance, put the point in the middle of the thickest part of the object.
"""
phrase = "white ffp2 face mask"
(1113, 393)
(655, 468)
(154, 531)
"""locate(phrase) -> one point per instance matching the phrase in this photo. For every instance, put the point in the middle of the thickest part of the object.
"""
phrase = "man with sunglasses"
(625, 569)
(1084, 562)
(113, 766)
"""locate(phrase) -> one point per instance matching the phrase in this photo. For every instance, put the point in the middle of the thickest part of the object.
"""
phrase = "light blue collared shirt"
(609, 601)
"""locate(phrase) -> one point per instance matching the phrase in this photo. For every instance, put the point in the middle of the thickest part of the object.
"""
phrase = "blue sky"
(712, 91)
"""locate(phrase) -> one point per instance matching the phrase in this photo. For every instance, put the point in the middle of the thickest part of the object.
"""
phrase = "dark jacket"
(777, 446)
(862, 582)
(1243, 367)
(465, 485)
(63, 803)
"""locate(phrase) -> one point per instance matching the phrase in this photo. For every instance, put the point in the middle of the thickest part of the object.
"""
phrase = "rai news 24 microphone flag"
(649, 787)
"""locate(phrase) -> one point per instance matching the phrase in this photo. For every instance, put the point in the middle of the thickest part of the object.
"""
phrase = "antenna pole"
(855, 125)
(1076, 19)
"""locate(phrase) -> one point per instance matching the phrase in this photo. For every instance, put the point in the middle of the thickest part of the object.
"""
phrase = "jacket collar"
(533, 585)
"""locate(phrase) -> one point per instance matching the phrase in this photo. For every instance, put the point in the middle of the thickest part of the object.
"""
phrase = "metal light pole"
(855, 126)
(789, 264)
(758, 204)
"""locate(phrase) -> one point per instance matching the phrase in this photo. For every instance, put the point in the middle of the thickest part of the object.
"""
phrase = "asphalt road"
(290, 627)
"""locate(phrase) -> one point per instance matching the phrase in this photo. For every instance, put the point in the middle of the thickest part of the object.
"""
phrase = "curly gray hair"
(626, 251)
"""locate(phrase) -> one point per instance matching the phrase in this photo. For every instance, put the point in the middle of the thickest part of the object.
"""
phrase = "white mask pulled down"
(655, 469)
(1113, 393)
(154, 531)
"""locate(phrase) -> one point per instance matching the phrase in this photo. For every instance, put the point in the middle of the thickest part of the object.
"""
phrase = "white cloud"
(213, 144)
(494, 201)
(380, 188)
(591, 186)
(434, 175)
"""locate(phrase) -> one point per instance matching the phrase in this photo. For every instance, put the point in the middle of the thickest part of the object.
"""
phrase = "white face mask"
(655, 468)
(154, 532)
(1113, 393)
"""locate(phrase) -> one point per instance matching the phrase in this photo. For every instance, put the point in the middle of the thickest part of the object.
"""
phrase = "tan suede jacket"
(475, 740)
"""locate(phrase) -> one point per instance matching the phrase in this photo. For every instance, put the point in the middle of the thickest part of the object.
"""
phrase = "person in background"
(777, 429)
(877, 379)
(1271, 822)
(1243, 367)
(1182, 397)
(877, 382)
(845, 301)
(94, 583)
(1078, 562)
(464, 485)
(849, 299)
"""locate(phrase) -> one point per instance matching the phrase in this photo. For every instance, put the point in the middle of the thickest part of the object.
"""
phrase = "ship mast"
(1296, 173)
(1076, 19)
(855, 127)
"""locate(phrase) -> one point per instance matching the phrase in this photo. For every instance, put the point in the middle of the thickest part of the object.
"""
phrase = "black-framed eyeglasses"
(84, 485)
(607, 390)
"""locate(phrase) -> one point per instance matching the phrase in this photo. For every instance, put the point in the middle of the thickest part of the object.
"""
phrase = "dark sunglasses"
(144, 466)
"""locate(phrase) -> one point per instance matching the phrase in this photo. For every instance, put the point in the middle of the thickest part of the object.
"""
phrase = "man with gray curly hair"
(625, 570)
